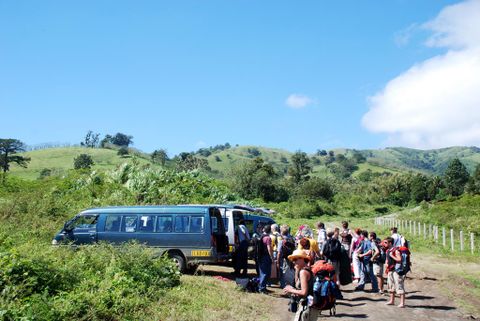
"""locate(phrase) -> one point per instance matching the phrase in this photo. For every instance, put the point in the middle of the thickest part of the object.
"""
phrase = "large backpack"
(332, 249)
(382, 256)
(403, 267)
(325, 294)
(260, 248)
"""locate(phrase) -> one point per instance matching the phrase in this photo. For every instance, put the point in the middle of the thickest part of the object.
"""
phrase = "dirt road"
(430, 287)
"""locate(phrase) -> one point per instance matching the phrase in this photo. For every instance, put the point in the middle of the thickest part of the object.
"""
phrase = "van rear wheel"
(179, 261)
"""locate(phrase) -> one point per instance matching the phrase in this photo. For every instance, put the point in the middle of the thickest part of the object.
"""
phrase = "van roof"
(228, 206)
(190, 209)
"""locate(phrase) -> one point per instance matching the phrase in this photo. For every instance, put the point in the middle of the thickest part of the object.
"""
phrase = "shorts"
(395, 283)
(378, 269)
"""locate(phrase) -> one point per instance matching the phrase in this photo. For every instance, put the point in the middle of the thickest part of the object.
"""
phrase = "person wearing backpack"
(241, 262)
(265, 258)
(356, 241)
(378, 259)
(346, 236)
(332, 249)
(395, 281)
(287, 275)
(276, 248)
(303, 287)
(367, 270)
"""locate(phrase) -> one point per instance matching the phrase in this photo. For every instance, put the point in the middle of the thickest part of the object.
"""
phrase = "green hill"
(59, 160)
(392, 159)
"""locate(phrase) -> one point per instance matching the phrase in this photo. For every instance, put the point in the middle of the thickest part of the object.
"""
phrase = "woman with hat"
(303, 286)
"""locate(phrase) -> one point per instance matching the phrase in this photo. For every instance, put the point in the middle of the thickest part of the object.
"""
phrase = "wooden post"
(435, 233)
(452, 240)
(419, 229)
(444, 237)
(429, 229)
(414, 228)
(472, 247)
(410, 226)
(424, 230)
(461, 241)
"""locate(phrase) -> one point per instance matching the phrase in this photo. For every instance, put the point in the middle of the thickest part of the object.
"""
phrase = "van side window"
(182, 223)
(85, 221)
(164, 224)
(112, 223)
(196, 224)
(129, 223)
(147, 222)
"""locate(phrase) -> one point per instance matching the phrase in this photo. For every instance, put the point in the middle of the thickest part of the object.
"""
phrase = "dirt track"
(427, 298)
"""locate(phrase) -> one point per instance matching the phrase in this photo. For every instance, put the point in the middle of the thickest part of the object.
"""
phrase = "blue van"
(252, 221)
(190, 235)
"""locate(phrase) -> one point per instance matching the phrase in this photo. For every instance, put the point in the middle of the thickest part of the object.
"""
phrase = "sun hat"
(298, 254)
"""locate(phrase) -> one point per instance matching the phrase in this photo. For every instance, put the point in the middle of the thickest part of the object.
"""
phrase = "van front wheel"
(179, 261)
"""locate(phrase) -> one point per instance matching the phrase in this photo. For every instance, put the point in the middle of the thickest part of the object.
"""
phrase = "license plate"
(200, 253)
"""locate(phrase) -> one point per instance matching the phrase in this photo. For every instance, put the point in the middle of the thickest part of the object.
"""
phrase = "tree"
(254, 179)
(91, 140)
(83, 161)
(159, 156)
(106, 140)
(321, 152)
(188, 162)
(316, 188)
(8, 148)
(123, 151)
(122, 140)
(473, 185)
(456, 177)
(300, 167)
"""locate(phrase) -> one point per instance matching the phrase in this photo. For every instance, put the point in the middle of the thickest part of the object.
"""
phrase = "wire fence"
(455, 240)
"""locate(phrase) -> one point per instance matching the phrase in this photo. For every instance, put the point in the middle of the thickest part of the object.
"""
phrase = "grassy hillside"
(60, 160)
(433, 161)
(395, 159)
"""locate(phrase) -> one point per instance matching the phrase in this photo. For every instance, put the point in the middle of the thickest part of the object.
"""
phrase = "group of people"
(356, 255)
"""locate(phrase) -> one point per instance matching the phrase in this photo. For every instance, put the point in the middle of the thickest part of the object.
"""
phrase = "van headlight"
(54, 242)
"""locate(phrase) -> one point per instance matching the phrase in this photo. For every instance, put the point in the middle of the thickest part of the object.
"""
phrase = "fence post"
(472, 247)
(430, 230)
(435, 233)
(419, 229)
(452, 240)
(410, 226)
(444, 237)
(461, 241)
(414, 228)
(424, 231)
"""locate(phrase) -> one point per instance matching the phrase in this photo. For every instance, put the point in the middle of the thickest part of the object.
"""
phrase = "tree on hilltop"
(8, 148)
(159, 156)
(300, 167)
(83, 161)
(91, 140)
(456, 177)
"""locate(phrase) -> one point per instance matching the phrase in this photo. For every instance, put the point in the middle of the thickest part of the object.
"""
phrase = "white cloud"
(298, 101)
(402, 37)
(436, 103)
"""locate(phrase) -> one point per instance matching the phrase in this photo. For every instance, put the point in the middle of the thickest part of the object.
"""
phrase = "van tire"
(179, 261)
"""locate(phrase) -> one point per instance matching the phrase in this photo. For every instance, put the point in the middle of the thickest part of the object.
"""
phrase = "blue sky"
(186, 74)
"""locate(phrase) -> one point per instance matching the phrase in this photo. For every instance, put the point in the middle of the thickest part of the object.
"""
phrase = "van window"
(197, 224)
(129, 223)
(225, 223)
(182, 223)
(112, 223)
(147, 222)
(85, 221)
(164, 224)
(249, 225)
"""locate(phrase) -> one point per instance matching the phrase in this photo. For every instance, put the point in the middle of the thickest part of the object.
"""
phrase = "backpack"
(403, 267)
(288, 246)
(333, 249)
(382, 256)
(275, 238)
(260, 248)
(325, 294)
